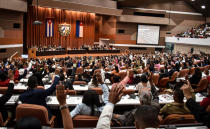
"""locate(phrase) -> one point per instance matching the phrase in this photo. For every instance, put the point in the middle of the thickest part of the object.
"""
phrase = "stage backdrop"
(36, 34)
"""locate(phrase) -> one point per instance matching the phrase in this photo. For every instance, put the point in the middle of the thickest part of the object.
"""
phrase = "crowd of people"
(202, 31)
(96, 72)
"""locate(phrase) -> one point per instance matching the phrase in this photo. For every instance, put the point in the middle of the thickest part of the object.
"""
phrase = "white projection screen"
(148, 34)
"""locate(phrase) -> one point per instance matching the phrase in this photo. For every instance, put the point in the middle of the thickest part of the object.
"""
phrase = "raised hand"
(187, 90)
(116, 94)
(60, 94)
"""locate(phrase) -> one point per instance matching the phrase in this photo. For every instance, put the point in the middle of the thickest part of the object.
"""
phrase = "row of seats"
(40, 112)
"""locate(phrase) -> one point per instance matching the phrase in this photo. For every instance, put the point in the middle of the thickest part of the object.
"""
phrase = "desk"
(74, 100)
(125, 100)
(77, 51)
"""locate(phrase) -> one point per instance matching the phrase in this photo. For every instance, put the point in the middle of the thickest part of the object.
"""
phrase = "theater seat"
(208, 109)
(98, 90)
(79, 83)
(163, 82)
(79, 70)
(183, 72)
(155, 78)
(173, 77)
(2, 122)
(128, 92)
(201, 86)
(32, 110)
(178, 119)
(3, 90)
(71, 92)
(85, 121)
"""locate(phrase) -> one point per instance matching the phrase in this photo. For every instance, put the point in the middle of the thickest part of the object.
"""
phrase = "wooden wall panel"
(36, 33)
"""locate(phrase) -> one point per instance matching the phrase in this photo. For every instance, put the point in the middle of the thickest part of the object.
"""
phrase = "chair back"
(192, 70)
(208, 109)
(178, 119)
(32, 110)
(3, 90)
(97, 71)
(163, 82)
(139, 71)
(71, 92)
(174, 76)
(1, 120)
(202, 85)
(85, 121)
(202, 69)
(79, 83)
(79, 70)
(155, 78)
(183, 72)
(98, 90)
(128, 92)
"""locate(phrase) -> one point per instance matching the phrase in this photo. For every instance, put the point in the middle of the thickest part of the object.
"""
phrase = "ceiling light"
(203, 6)
(192, 0)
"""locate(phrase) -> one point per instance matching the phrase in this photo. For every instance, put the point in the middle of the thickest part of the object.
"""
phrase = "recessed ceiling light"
(192, 0)
(203, 6)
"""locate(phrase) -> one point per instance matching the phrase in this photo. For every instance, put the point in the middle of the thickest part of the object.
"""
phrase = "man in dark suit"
(38, 96)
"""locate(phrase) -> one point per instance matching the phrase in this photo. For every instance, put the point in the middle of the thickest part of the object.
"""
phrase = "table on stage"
(49, 53)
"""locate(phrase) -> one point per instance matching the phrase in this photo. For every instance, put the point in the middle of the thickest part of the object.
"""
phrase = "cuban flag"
(49, 28)
(79, 29)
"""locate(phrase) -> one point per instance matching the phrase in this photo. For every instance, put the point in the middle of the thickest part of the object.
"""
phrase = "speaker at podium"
(32, 53)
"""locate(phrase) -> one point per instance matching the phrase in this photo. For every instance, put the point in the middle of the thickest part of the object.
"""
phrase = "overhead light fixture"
(37, 22)
(203, 6)
(192, 0)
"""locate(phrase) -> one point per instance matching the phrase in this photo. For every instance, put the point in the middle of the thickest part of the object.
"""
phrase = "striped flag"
(79, 29)
(49, 28)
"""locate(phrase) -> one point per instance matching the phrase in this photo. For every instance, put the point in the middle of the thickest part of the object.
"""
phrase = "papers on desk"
(20, 86)
(166, 98)
(24, 80)
(74, 100)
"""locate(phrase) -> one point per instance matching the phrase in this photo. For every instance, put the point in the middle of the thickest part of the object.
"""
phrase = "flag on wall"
(79, 29)
(49, 32)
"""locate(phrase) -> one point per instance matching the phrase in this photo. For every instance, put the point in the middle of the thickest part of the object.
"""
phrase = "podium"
(32, 53)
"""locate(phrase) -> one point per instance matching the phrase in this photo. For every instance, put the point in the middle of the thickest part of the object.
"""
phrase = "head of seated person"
(96, 79)
(32, 82)
(28, 123)
(145, 98)
(144, 78)
(91, 99)
(3, 76)
(143, 121)
(116, 79)
(178, 95)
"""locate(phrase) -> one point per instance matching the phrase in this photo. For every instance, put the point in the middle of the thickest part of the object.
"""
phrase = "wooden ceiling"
(196, 5)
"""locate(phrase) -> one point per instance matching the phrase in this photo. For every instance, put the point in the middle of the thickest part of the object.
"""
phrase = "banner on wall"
(79, 29)
(49, 32)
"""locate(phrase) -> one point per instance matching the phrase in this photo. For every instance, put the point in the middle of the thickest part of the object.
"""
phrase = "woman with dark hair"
(95, 81)
(196, 77)
(144, 83)
(91, 104)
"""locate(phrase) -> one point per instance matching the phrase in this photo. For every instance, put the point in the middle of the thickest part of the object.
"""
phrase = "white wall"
(188, 41)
